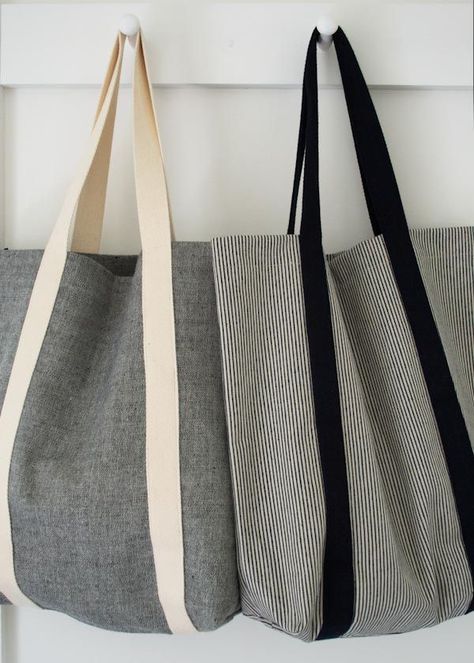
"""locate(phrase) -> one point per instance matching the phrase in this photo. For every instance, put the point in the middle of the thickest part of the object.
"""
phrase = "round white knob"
(129, 25)
(326, 26)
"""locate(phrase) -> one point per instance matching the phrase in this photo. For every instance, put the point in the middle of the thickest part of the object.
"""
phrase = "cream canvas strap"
(86, 196)
(91, 205)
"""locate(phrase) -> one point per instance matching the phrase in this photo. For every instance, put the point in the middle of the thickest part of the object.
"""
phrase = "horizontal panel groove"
(400, 45)
(236, 86)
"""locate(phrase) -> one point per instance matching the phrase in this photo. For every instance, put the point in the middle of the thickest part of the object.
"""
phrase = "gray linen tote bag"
(115, 494)
(349, 389)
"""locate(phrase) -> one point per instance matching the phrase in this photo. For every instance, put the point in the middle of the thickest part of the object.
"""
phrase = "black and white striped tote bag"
(349, 387)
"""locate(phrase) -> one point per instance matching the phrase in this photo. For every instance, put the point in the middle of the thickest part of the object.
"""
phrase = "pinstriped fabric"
(410, 564)
(446, 261)
(274, 460)
(409, 528)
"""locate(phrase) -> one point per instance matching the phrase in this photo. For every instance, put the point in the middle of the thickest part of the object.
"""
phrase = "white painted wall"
(229, 154)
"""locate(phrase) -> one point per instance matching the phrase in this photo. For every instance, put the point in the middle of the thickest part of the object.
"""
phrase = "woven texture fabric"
(409, 560)
(78, 491)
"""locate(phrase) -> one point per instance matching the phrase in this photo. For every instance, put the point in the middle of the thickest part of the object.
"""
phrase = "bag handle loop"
(380, 187)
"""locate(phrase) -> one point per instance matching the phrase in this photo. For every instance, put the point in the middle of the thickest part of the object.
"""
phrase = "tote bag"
(115, 494)
(349, 389)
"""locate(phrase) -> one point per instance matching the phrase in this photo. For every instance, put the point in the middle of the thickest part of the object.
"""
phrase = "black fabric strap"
(386, 212)
(338, 575)
(388, 218)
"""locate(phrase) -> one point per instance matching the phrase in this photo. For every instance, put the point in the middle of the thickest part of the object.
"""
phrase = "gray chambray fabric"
(77, 491)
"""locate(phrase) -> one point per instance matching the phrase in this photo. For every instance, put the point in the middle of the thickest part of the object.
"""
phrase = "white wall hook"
(130, 27)
(326, 28)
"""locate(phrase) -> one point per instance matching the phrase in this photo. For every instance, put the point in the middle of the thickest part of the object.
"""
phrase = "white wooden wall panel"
(227, 80)
(259, 44)
(230, 155)
(46, 638)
